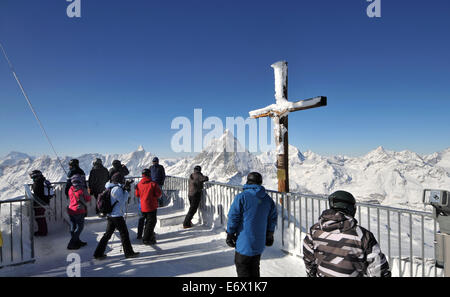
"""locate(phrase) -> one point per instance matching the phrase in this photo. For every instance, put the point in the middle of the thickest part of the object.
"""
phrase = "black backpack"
(104, 202)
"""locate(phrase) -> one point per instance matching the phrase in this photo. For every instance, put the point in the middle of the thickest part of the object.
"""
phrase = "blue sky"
(116, 77)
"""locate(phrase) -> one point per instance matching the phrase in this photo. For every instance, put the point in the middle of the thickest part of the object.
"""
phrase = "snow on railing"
(403, 234)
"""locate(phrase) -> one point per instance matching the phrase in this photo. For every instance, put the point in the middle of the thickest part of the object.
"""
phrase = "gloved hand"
(231, 240)
(269, 238)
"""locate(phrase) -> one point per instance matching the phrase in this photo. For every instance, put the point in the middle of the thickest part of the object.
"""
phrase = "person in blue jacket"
(251, 223)
(158, 175)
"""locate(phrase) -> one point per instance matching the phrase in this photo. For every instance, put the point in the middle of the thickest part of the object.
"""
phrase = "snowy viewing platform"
(405, 236)
(200, 251)
(197, 252)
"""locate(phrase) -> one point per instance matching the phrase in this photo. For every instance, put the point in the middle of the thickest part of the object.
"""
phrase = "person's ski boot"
(133, 255)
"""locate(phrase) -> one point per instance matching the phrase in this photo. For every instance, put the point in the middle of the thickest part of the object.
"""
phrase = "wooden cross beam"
(279, 112)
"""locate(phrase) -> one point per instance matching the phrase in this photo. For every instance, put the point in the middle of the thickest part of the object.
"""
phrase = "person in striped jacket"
(337, 246)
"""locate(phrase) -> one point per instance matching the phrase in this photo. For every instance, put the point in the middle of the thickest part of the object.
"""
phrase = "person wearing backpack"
(43, 192)
(149, 192)
(74, 168)
(119, 192)
(98, 177)
(77, 210)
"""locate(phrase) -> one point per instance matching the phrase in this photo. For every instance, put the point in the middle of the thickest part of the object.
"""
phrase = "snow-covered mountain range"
(381, 176)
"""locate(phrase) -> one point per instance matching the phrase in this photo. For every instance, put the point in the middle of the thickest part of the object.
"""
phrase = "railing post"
(423, 245)
(378, 226)
(410, 246)
(1, 247)
(300, 219)
(11, 232)
(306, 214)
(283, 203)
(21, 232)
(399, 244)
(389, 236)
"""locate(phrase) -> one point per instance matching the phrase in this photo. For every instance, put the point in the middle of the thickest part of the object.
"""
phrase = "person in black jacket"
(74, 168)
(98, 177)
(41, 199)
(196, 181)
(117, 166)
(158, 175)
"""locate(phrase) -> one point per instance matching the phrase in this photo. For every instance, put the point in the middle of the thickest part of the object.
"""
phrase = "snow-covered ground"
(197, 252)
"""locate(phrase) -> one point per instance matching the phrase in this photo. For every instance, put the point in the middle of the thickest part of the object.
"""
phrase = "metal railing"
(16, 226)
(405, 236)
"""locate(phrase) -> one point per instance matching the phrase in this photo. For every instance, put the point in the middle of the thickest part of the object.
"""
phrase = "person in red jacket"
(77, 210)
(148, 191)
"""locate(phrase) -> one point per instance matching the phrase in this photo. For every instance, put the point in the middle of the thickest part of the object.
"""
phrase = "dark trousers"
(141, 224)
(96, 207)
(76, 226)
(161, 199)
(41, 222)
(150, 223)
(113, 224)
(247, 266)
(194, 202)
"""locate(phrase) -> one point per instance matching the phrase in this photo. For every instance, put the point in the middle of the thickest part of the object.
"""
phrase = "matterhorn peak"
(141, 149)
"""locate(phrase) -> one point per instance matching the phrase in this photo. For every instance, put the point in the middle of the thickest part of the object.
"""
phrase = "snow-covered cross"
(279, 112)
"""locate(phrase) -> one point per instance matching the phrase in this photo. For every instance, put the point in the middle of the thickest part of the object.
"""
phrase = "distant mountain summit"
(224, 159)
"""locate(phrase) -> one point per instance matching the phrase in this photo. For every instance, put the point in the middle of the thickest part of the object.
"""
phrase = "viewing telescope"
(439, 199)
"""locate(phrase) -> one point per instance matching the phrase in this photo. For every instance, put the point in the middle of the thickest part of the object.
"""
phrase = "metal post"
(399, 245)
(11, 230)
(282, 218)
(359, 213)
(288, 208)
(21, 232)
(1, 247)
(435, 231)
(423, 245)
(410, 246)
(306, 214)
(295, 220)
(389, 235)
(378, 226)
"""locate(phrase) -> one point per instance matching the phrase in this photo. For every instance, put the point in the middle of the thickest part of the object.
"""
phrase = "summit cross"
(279, 112)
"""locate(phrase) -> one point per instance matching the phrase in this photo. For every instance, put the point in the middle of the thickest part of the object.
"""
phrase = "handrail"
(16, 199)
